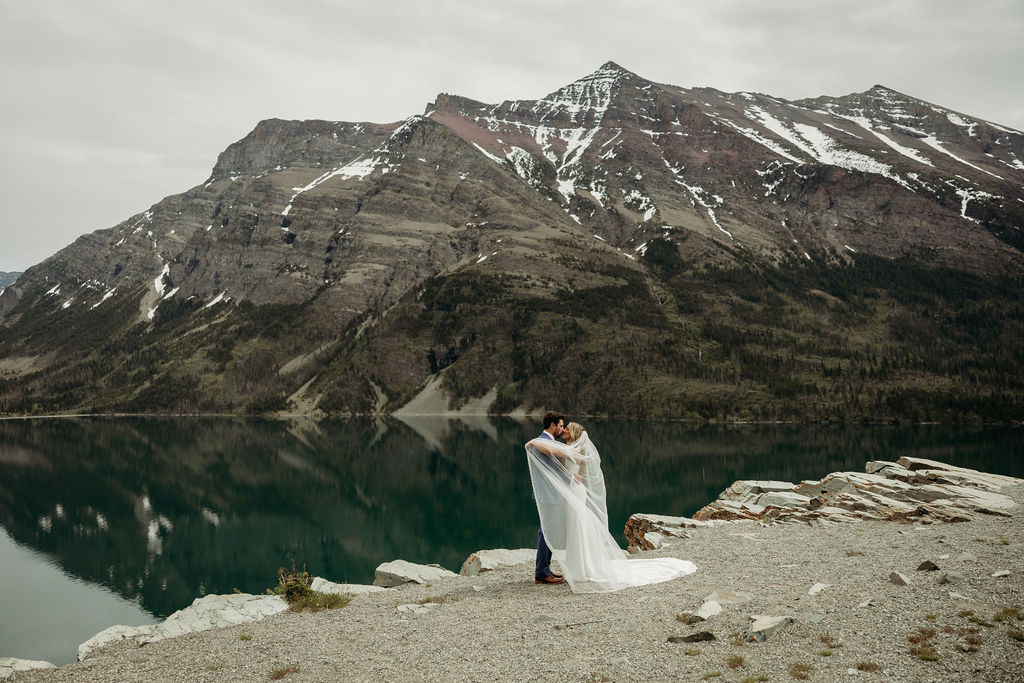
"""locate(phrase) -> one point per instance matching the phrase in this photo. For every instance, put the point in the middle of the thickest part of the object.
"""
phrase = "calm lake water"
(121, 520)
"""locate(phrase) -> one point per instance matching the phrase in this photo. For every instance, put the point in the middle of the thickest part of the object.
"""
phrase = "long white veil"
(571, 500)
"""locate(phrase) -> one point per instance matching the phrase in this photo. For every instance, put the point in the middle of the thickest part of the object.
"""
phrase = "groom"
(554, 425)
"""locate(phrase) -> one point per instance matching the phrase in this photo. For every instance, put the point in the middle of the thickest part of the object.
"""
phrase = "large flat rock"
(398, 572)
(911, 489)
(9, 665)
(489, 560)
(322, 585)
(211, 611)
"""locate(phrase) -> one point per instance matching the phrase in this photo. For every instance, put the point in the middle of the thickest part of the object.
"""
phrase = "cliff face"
(357, 261)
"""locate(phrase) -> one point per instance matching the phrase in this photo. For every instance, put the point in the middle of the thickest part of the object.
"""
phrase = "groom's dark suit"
(543, 568)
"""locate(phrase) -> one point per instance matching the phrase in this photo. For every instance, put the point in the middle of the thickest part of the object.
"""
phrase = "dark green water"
(128, 520)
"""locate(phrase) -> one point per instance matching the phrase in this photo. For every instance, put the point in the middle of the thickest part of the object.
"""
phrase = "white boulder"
(488, 560)
(8, 665)
(650, 532)
(211, 611)
(397, 572)
(321, 585)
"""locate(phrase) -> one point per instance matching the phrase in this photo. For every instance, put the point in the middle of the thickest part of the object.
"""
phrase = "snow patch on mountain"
(158, 284)
(816, 144)
(699, 195)
(590, 93)
(217, 299)
(967, 195)
(933, 142)
(380, 158)
(106, 295)
(869, 126)
(971, 126)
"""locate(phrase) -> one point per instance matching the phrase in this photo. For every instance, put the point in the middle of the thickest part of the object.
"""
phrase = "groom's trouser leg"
(543, 557)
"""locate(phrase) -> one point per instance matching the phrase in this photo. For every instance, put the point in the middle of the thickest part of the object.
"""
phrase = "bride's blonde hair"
(575, 430)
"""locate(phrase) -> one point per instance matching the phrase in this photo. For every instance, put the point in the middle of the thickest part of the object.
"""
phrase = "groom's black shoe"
(550, 578)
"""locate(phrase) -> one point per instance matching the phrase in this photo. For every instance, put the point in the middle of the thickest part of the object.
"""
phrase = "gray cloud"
(110, 105)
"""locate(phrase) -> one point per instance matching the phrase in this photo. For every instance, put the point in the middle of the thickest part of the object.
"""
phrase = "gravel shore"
(502, 626)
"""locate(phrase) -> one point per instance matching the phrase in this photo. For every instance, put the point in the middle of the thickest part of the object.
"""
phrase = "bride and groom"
(568, 486)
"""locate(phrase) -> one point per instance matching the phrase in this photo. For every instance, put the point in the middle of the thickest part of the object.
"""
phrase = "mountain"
(616, 247)
(7, 279)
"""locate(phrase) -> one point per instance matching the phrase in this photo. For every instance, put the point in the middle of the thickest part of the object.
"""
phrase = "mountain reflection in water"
(162, 510)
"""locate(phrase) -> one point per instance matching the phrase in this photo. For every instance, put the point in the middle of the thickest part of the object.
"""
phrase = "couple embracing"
(568, 486)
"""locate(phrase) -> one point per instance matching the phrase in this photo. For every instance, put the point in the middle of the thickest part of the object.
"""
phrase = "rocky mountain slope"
(618, 246)
(7, 279)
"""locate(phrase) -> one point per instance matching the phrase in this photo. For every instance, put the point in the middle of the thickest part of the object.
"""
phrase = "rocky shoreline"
(909, 571)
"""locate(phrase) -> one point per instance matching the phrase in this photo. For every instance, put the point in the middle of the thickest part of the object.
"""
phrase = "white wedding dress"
(569, 488)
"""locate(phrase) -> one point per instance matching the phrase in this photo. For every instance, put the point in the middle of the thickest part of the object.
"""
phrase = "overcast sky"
(111, 105)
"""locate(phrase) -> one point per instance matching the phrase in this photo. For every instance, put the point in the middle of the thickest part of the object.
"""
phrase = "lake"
(126, 520)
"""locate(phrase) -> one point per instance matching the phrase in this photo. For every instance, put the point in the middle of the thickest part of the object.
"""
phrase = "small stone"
(1001, 573)
(698, 637)
(417, 608)
(709, 609)
(851, 672)
(944, 557)
(927, 566)
(952, 577)
(729, 597)
(762, 627)
(868, 603)
(899, 579)
(966, 557)
(812, 618)
(479, 588)
(818, 587)
(957, 596)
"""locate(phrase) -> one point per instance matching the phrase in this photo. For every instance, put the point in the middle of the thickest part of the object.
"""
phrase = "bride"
(569, 488)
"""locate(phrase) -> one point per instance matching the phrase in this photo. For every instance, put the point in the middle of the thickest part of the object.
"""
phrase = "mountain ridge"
(354, 240)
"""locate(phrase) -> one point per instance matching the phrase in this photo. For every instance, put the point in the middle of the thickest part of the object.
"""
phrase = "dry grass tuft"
(828, 640)
(800, 670)
(1008, 613)
(279, 673)
(925, 652)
